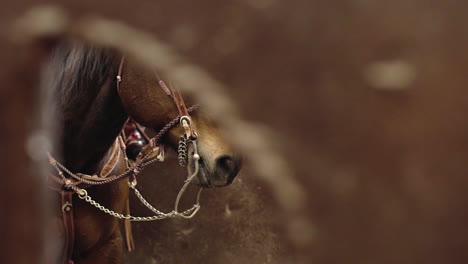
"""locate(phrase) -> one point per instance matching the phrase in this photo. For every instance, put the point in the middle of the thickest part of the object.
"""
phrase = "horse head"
(147, 102)
(91, 107)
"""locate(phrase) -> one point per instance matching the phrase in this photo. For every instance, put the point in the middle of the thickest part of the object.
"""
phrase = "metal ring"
(186, 118)
(132, 183)
(67, 207)
(82, 193)
(194, 135)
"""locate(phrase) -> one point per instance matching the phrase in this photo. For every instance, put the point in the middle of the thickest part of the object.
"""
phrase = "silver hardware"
(83, 194)
(187, 214)
(67, 207)
(185, 121)
(182, 150)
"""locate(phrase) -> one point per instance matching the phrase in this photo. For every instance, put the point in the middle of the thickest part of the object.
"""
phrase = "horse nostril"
(227, 166)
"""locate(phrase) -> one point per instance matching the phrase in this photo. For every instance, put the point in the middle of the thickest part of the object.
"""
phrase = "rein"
(151, 153)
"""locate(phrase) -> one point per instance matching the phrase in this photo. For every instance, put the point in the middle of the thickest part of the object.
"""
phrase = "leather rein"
(152, 152)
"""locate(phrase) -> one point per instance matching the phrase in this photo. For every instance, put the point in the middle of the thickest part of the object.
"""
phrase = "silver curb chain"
(159, 215)
(189, 213)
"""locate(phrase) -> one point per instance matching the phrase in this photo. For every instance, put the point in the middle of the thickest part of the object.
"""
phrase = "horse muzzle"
(218, 173)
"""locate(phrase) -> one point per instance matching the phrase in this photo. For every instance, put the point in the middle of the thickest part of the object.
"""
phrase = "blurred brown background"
(367, 100)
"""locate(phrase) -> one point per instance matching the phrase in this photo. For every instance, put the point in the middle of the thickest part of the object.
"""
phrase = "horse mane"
(80, 70)
(81, 79)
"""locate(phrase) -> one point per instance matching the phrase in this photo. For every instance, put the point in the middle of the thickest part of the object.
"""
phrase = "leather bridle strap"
(67, 215)
(179, 101)
(185, 118)
(164, 87)
(66, 195)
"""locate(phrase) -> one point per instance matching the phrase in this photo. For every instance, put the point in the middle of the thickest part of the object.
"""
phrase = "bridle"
(152, 152)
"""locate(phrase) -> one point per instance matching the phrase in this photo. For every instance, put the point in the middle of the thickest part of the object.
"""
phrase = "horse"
(94, 91)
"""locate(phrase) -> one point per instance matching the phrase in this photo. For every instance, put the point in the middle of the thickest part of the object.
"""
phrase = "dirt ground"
(236, 224)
